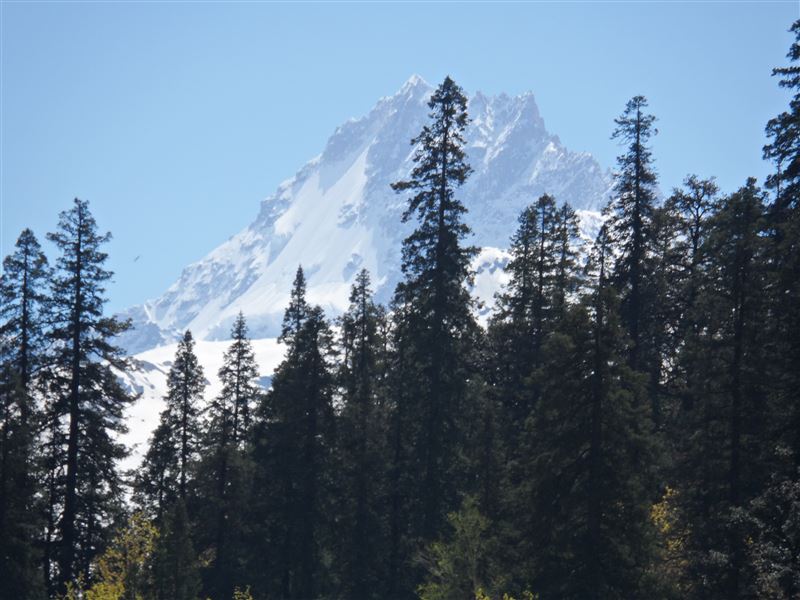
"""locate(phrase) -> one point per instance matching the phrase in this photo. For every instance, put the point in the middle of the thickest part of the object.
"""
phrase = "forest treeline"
(626, 426)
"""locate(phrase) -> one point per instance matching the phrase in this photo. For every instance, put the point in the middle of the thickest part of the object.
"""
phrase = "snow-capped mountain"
(338, 214)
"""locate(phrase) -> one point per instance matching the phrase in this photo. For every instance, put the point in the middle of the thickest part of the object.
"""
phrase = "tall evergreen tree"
(692, 208)
(436, 267)
(293, 445)
(88, 397)
(185, 387)
(582, 509)
(224, 468)
(630, 216)
(403, 425)
(156, 484)
(784, 151)
(660, 294)
(22, 306)
(23, 298)
(784, 133)
(165, 481)
(567, 244)
(240, 391)
(362, 431)
(53, 459)
(774, 541)
(723, 458)
(544, 278)
(541, 272)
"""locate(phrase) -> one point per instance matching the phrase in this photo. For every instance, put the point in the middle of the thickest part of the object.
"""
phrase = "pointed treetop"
(297, 311)
(600, 264)
(633, 120)
(22, 304)
(239, 329)
(449, 97)
(361, 285)
(28, 253)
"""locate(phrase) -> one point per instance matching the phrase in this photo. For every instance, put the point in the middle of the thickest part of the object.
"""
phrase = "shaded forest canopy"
(626, 426)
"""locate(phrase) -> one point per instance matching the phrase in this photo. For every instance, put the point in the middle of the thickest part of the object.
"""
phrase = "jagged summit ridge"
(337, 214)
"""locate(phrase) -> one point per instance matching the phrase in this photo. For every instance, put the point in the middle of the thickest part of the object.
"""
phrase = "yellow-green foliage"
(245, 594)
(121, 570)
(664, 516)
(75, 590)
(457, 569)
(672, 565)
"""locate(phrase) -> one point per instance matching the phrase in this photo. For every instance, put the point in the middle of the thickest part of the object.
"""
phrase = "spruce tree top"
(630, 213)
(440, 167)
(636, 178)
(78, 292)
(81, 257)
(297, 311)
(186, 375)
(22, 300)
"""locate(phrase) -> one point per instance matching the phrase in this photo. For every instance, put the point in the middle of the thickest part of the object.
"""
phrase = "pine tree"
(362, 429)
(540, 271)
(567, 244)
(773, 539)
(293, 444)
(403, 426)
(436, 267)
(784, 134)
(225, 469)
(156, 485)
(185, 386)
(87, 394)
(692, 208)
(582, 508)
(23, 299)
(784, 223)
(165, 481)
(297, 312)
(723, 458)
(164, 474)
(630, 216)
(239, 388)
(660, 293)
(53, 457)
(22, 307)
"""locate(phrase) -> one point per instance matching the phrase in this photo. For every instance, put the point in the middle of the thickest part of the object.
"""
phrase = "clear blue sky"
(175, 119)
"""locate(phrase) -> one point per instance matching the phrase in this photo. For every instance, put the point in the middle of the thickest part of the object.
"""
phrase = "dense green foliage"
(627, 425)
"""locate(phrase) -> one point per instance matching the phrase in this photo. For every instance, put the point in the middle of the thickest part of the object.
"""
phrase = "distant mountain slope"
(338, 214)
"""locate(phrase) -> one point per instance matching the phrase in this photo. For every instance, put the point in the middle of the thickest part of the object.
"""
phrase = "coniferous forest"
(627, 426)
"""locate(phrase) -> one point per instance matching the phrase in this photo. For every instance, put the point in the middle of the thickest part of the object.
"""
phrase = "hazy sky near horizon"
(175, 119)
